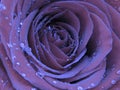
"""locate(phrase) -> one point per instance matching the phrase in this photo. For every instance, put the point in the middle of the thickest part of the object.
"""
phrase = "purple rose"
(59, 45)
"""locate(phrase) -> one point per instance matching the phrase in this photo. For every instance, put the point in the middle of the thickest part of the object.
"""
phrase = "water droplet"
(68, 59)
(13, 57)
(54, 82)
(23, 74)
(18, 63)
(10, 24)
(118, 72)
(28, 64)
(49, 28)
(113, 81)
(18, 29)
(2, 7)
(33, 89)
(27, 49)
(2, 81)
(22, 45)
(9, 45)
(21, 23)
(5, 82)
(40, 74)
(92, 84)
(80, 88)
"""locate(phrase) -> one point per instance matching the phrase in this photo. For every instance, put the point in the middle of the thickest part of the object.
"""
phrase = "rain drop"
(22, 45)
(18, 29)
(40, 74)
(23, 74)
(68, 59)
(21, 23)
(118, 72)
(2, 7)
(13, 57)
(10, 24)
(92, 84)
(9, 45)
(80, 88)
(18, 63)
(2, 81)
(33, 89)
(113, 81)
(54, 82)
(28, 64)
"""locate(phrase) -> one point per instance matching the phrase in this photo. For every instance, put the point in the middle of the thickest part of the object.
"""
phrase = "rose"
(66, 45)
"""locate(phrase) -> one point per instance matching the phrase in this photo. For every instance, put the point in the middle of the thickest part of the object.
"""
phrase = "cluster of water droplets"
(39, 74)
(33, 89)
(80, 88)
(2, 7)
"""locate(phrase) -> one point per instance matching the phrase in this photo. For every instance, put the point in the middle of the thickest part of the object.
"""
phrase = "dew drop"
(68, 59)
(33, 89)
(54, 82)
(2, 7)
(80, 88)
(113, 82)
(18, 63)
(9, 45)
(21, 23)
(22, 45)
(27, 49)
(28, 64)
(118, 72)
(2, 81)
(40, 74)
(13, 57)
(23, 74)
(18, 29)
(92, 84)
(10, 24)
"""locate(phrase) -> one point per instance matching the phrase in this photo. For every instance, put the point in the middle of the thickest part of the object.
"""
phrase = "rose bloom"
(59, 45)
